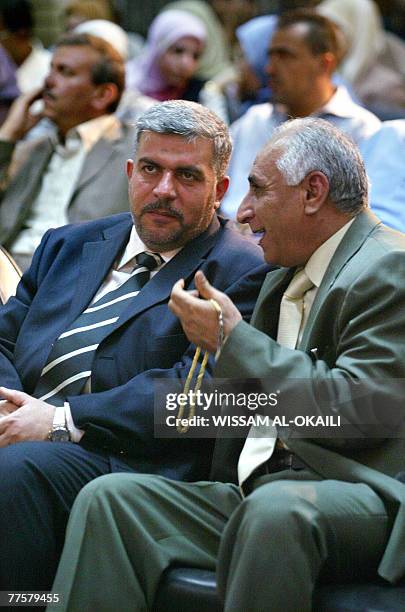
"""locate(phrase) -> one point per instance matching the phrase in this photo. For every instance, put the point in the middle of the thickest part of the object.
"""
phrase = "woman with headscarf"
(166, 68)
(374, 63)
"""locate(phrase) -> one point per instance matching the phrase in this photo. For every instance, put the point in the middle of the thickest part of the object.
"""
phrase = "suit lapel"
(96, 260)
(353, 240)
(266, 312)
(29, 185)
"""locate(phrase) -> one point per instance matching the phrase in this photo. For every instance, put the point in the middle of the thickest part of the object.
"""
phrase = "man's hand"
(20, 119)
(23, 417)
(198, 317)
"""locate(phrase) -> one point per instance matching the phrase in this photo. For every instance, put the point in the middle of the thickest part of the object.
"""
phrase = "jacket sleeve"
(362, 380)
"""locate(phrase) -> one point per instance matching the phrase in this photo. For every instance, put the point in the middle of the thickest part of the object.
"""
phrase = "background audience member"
(384, 156)
(132, 103)
(215, 62)
(76, 176)
(80, 11)
(9, 90)
(166, 69)
(251, 85)
(303, 55)
(170, 59)
(374, 63)
(31, 59)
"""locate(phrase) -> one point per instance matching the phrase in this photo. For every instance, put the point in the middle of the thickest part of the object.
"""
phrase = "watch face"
(60, 434)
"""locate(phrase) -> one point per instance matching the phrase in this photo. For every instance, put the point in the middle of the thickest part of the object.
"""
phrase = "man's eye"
(187, 175)
(148, 168)
(65, 71)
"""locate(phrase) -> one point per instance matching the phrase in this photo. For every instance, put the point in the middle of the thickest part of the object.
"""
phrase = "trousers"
(38, 485)
(269, 549)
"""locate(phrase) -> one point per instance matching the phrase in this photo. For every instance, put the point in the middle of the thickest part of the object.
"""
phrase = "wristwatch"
(59, 431)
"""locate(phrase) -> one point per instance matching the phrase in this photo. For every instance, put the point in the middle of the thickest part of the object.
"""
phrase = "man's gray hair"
(310, 144)
(190, 120)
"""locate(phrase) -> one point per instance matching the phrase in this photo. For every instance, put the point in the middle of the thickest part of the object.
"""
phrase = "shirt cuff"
(75, 433)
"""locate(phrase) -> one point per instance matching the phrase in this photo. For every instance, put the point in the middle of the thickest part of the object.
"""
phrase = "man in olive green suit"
(308, 508)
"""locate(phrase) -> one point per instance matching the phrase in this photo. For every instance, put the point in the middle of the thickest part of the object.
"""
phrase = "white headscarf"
(361, 23)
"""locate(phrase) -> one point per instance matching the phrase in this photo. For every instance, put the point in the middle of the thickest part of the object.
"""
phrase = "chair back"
(10, 275)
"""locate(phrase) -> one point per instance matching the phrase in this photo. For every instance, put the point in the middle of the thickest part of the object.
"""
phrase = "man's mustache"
(164, 205)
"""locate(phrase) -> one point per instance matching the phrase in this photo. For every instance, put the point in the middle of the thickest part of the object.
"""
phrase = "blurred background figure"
(252, 83)
(79, 11)
(304, 52)
(374, 63)
(384, 155)
(132, 103)
(8, 83)
(215, 61)
(30, 58)
(167, 67)
(232, 13)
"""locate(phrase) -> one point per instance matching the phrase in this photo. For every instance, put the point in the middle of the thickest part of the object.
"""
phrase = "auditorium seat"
(10, 275)
(193, 590)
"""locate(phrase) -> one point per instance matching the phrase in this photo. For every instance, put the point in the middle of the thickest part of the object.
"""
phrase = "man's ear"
(328, 62)
(221, 189)
(316, 191)
(104, 95)
(130, 168)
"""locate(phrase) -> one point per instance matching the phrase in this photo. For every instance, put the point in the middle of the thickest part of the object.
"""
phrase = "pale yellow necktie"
(260, 443)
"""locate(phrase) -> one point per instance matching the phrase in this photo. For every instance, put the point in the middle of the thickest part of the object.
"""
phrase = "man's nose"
(165, 187)
(245, 211)
(49, 80)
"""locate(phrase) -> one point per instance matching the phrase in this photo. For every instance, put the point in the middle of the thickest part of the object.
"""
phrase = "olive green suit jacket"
(350, 362)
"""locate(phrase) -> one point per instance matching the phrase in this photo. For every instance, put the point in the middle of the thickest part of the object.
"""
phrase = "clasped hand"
(197, 315)
(23, 417)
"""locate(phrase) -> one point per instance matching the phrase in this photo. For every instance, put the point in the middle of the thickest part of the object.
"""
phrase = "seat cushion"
(194, 590)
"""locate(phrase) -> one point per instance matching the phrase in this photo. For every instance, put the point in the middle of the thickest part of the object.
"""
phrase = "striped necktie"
(70, 361)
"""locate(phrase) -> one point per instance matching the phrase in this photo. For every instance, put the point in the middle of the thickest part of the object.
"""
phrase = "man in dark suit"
(328, 339)
(55, 179)
(83, 341)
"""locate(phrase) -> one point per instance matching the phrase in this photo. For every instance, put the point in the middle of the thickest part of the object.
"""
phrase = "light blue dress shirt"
(384, 156)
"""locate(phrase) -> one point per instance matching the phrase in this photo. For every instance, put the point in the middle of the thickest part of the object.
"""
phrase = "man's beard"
(176, 238)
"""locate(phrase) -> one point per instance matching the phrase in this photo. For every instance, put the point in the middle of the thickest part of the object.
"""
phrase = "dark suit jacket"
(146, 343)
(357, 328)
(102, 187)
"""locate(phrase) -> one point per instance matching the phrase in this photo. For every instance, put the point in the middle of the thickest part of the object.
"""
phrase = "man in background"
(77, 174)
(304, 53)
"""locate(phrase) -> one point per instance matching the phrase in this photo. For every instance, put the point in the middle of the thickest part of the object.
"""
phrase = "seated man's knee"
(112, 489)
(283, 503)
